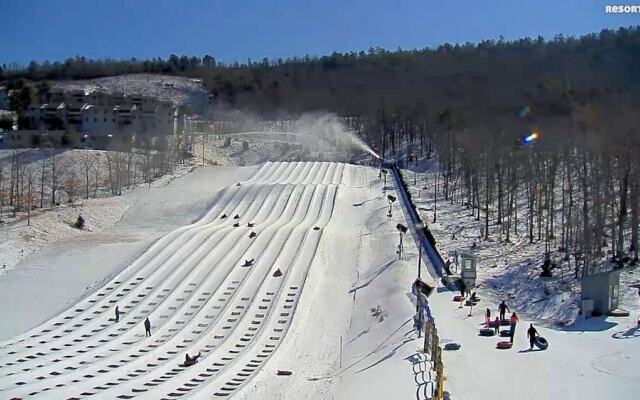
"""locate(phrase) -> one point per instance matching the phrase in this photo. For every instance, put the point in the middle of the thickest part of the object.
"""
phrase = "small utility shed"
(603, 288)
(468, 272)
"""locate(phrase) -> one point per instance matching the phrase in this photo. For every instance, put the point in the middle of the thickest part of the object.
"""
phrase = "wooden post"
(427, 332)
(434, 342)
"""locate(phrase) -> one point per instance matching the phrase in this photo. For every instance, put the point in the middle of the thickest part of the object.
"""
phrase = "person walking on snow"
(462, 290)
(531, 334)
(487, 317)
(503, 308)
(117, 314)
(147, 327)
(513, 321)
(496, 325)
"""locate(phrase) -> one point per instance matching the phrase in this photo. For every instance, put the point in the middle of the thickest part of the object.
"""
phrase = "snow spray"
(360, 143)
(329, 128)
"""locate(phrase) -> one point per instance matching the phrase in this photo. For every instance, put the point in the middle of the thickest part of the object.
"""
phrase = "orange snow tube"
(504, 345)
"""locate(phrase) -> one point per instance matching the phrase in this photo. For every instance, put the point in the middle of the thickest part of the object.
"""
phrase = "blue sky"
(241, 29)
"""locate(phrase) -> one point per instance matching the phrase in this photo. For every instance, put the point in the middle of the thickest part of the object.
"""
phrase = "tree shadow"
(631, 333)
(386, 356)
(366, 201)
(371, 277)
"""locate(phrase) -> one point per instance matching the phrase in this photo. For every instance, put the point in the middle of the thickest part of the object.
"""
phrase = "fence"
(426, 241)
(422, 234)
(432, 347)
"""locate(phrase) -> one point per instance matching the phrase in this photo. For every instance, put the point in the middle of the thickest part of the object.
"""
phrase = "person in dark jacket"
(117, 314)
(531, 334)
(487, 317)
(503, 308)
(147, 327)
(191, 360)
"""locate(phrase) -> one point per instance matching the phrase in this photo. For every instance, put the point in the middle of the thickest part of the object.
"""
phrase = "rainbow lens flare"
(528, 139)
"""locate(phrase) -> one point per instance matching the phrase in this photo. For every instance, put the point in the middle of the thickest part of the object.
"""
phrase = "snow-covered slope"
(338, 317)
(198, 295)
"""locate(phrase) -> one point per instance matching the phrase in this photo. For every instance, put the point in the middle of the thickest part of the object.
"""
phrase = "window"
(105, 120)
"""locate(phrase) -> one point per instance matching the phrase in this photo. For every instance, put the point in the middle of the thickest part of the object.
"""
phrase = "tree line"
(49, 176)
(576, 187)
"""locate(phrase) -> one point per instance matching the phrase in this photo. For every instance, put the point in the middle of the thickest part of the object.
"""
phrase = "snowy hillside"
(179, 90)
(508, 270)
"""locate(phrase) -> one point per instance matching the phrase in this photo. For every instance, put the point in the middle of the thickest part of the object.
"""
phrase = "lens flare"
(530, 138)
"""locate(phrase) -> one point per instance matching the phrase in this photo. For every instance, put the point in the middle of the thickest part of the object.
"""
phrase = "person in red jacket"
(512, 322)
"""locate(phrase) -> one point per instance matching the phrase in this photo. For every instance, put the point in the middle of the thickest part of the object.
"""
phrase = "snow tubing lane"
(305, 214)
(271, 217)
(236, 201)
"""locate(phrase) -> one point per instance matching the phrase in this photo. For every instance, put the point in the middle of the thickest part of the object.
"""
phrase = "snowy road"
(198, 295)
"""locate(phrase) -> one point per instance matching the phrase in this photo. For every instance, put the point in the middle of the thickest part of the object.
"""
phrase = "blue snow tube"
(541, 343)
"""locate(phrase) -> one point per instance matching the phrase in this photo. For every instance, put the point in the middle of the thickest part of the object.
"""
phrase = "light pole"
(420, 228)
(401, 230)
(391, 199)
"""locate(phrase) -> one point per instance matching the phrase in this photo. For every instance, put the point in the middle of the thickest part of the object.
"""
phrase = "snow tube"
(541, 343)
(452, 346)
(487, 332)
(504, 345)
(505, 322)
(458, 298)
(470, 303)
(189, 363)
(505, 333)
(283, 372)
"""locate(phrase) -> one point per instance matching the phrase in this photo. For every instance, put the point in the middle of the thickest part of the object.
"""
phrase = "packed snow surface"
(211, 287)
(318, 291)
